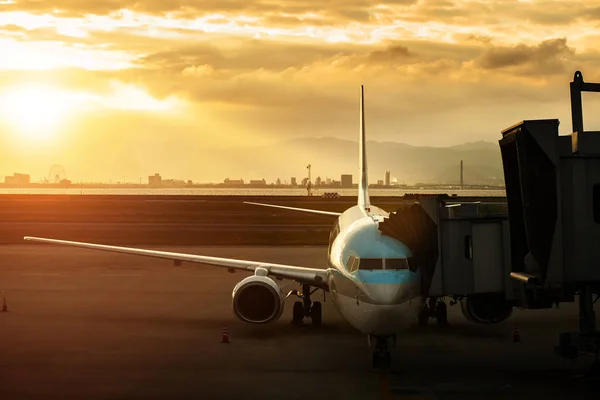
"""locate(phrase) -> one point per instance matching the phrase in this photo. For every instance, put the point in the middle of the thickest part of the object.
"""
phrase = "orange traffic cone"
(4, 307)
(225, 336)
(516, 334)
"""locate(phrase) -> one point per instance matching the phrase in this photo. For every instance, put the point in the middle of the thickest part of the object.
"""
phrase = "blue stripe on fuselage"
(387, 277)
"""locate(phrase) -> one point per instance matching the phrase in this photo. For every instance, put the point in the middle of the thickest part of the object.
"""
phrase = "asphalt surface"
(84, 324)
(178, 220)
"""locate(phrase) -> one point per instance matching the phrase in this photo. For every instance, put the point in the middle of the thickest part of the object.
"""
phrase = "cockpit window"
(355, 263)
(352, 264)
(371, 263)
(396, 263)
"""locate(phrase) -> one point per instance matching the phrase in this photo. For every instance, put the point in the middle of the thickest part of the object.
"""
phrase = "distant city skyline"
(330, 158)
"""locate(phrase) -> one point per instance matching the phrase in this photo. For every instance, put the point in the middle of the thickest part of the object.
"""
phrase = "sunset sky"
(119, 88)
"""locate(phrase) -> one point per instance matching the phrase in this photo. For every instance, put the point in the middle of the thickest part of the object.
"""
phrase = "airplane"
(368, 276)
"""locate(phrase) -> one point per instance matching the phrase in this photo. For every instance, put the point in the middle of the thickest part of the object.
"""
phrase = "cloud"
(547, 57)
(391, 54)
(274, 69)
(242, 55)
(350, 9)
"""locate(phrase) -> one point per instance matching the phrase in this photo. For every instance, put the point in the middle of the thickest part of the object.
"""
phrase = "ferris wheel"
(57, 174)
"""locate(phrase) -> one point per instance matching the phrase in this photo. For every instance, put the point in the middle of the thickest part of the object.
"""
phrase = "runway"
(84, 324)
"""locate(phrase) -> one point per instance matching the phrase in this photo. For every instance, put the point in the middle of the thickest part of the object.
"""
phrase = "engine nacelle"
(486, 309)
(258, 300)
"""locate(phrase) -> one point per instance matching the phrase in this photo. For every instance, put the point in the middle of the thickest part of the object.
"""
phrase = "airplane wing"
(307, 210)
(313, 276)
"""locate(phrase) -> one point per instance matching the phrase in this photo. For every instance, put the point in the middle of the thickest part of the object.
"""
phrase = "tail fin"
(363, 183)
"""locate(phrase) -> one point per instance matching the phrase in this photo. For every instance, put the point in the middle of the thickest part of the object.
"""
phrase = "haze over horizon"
(330, 157)
(127, 88)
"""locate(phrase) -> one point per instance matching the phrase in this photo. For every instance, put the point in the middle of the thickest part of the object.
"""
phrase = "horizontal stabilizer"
(306, 210)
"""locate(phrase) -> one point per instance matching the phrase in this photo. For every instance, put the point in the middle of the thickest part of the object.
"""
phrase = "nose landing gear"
(382, 359)
(435, 309)
(306, 308)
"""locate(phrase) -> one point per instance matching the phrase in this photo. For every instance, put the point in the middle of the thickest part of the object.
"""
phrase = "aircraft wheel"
(424, 316)
(386, 361)
(382, 361)
(316, 313)
(441, 314)
(376, 360)
(298, 313)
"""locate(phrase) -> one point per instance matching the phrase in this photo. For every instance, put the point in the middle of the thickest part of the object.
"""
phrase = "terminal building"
(155, 180)
(17, 179)
(228, 181)
(258, 182)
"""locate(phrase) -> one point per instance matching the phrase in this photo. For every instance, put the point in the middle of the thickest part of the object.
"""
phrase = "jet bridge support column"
(587, 316)
(588, 338)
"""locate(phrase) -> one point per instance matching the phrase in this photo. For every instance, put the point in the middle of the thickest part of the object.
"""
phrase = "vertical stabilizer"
(363, 183)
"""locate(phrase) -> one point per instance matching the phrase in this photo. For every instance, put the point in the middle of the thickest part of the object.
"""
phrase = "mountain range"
(331, 157)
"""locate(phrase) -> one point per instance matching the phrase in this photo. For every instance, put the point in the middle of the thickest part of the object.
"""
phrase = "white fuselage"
(381, 300)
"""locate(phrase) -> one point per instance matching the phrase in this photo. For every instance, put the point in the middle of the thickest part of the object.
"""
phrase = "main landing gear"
(306, 308)
(381, 355)
(436, 310)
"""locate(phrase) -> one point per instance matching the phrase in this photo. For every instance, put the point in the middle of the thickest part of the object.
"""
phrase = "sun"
(35, 111)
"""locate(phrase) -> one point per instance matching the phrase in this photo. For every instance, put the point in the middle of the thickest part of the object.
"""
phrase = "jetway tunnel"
(461, 250)
(414, 227)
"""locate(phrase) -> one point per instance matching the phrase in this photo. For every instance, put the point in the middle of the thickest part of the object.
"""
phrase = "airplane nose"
(385, 293)
(386, 287)
(390, 293)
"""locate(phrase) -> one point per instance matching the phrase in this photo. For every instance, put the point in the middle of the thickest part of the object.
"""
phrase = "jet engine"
(486, 309)
(258, 300)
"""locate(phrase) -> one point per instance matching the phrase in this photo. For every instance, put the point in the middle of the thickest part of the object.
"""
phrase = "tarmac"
(84, 324)
(177, 220)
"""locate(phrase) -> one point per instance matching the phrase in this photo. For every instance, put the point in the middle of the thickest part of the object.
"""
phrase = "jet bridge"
(462, 251)
(538, 249)
(553, 194)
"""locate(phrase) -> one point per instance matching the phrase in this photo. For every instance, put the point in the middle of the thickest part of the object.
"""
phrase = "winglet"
(363, 183)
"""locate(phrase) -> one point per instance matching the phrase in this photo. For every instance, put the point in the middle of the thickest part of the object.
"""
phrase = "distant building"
(346, 180)
(258, 182)
(228, 181)
(318, 181)
(173, 182)
(155, 180)
(387, 178)
(278, 182)
(17, 179)
(380, 182)
(294, 181)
